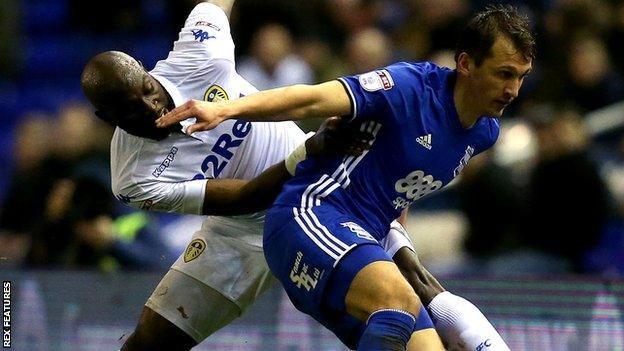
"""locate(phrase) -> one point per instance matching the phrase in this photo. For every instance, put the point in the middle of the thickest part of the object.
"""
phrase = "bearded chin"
(161, 134)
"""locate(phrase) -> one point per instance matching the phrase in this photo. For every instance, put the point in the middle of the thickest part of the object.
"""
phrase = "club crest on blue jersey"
(215, 93)
(376, 80)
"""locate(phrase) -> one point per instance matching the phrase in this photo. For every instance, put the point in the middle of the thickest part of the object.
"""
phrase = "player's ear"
(464, 64)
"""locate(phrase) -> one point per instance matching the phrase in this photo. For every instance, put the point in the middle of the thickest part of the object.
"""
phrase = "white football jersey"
(171, 174)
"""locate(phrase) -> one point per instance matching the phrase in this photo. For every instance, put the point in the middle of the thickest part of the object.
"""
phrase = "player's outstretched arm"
(294, 102)
(228, 197)
(235, 196)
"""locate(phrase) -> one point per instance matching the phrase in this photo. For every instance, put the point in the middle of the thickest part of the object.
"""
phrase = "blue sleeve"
(382, 93)
(490, 134)
(494, 132)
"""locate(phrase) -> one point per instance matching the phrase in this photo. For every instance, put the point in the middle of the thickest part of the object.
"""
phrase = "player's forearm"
(424, 283)
(287, 103)
(295, 102)
(403, 217)
(229, 197)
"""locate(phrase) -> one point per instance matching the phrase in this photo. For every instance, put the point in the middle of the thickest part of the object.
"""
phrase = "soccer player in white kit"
(223, 270)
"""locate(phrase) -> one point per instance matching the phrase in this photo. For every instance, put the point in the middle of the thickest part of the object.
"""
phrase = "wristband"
(296, 156)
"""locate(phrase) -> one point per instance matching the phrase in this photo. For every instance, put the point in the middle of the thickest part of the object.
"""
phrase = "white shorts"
(222, 272)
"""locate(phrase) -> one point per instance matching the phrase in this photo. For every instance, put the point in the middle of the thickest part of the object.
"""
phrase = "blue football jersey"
(419, 147)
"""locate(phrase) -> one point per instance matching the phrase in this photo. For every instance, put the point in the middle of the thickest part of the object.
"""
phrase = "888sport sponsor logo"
(415, 185)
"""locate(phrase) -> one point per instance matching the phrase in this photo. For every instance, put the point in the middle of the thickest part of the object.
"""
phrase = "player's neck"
(464, 104)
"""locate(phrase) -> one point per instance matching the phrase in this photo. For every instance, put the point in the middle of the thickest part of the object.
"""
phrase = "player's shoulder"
(493, 127)
(128, 151)
(419, 74)
(132, 161)
(423, 68)
(490, 130)
(122, 139)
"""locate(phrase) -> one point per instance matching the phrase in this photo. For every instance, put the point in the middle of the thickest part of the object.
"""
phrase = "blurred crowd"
(548, 199)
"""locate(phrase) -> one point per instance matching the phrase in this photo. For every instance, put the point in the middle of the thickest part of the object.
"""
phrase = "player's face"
(141, 101)
(496, 82)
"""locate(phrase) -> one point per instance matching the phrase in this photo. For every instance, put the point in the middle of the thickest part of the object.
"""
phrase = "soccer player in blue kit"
(322, 233)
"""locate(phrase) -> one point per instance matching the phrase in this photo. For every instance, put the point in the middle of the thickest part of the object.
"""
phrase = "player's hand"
(208, 115)
(338, 137)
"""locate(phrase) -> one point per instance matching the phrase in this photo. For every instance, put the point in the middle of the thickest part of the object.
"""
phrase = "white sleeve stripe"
(351, 98)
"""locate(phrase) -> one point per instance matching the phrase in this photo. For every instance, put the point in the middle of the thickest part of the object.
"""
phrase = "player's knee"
(142, 340)
(393, 292)
(154, 332)
(404, 299)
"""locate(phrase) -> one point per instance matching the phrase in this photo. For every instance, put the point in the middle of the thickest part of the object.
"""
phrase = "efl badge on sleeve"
(194, 249)
(376, 80)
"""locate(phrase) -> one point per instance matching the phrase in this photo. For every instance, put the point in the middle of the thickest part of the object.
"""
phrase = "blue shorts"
(316, 254)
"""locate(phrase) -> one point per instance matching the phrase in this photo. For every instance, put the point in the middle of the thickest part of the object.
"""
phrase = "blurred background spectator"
(272, 62)
(549, 195)
(568, 203)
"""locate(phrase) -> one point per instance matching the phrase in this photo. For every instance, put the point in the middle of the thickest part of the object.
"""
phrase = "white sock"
(462, 326)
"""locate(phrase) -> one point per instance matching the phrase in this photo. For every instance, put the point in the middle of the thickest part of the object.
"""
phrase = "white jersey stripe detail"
(322, 237)
(341, 170)
(343, 254)
(343, 174)
(311, 197)
(348, 161)
(325, 231)
(325, 193)
(355, 163)
(309, 189)
(370, 127)
(314, 238)
(336, 245)
(374, 129)
(325, 185)
(363, 126)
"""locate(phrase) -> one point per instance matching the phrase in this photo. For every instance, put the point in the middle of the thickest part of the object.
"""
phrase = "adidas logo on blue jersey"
(425, 141)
